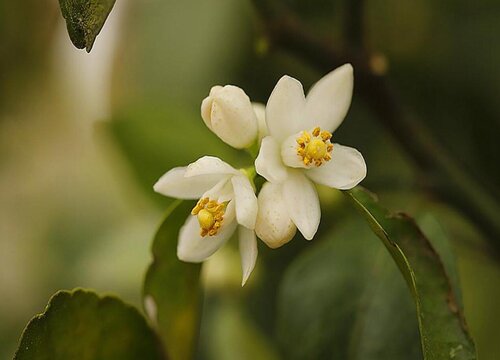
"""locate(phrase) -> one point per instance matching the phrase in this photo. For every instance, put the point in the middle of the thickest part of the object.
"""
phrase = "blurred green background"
(84, 136)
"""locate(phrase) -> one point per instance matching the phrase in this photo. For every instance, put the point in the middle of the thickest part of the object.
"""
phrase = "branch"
(441, 174)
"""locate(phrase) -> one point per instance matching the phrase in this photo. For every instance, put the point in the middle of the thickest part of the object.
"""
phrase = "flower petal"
(268, 163)
(222, 191)
(285, 108)
(192, 247)
(274, 225)
(302, 201)
(260, 113)
(206, 106)
(209, 165)
(248, 252)
(175, 184)
(245, 201)
(329, 99)
(344, 171)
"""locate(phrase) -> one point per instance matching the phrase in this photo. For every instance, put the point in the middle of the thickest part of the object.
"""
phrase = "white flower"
(299, 151)
(228, 112)
(226, 202)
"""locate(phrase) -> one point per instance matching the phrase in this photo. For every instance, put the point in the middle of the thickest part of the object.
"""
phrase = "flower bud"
(273, 225)
(227, 111)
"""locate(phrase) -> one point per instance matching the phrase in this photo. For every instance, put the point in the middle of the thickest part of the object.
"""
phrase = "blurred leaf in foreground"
(172, 293)
(443, 331)
(85, 19)
(81, 325)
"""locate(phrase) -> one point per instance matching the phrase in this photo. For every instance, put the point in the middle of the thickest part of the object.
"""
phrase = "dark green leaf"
(443, 330)
(345, 299)
(81, 325)
(172, 293)
(85, 19)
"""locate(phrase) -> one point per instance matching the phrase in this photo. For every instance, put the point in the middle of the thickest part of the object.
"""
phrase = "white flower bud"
(274, 225)
(227, 111)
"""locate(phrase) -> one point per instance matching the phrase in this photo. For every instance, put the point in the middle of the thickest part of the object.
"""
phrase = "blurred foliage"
(479, 279)
(85, 19)
(231, 333)
(25, 36)
(442, 59)
(441, 55)
(174, 52)
(81, 325)
(172, 294)
(158, 138)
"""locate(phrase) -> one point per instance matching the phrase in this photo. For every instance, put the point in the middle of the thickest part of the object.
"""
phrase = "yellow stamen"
(210, 215)
(315, 147)
(325, 135)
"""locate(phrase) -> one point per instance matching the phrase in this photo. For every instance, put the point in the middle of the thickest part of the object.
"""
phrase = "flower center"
(315, 147)
(206, 219)
(210, 215)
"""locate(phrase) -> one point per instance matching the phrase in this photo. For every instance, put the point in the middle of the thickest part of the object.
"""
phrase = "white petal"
(248, 252)
(285, 108)
(344, 171)
(175, 184)
(260, 112)
(329, 99)
(245, 201)
(209, 165)
(274, 225)
(268, 163)
(222, 191)
(192, 247)
(302, 201)
(206, 106)
(289, 152)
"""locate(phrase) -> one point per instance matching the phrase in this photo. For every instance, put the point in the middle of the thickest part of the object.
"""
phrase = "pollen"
(315, 147)
(210, 215)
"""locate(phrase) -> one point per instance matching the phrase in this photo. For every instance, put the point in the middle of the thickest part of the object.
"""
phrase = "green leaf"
(443, 330)
(85, 19)
(386, 312)
(81, 325)
(345, 299)
(172, 293)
